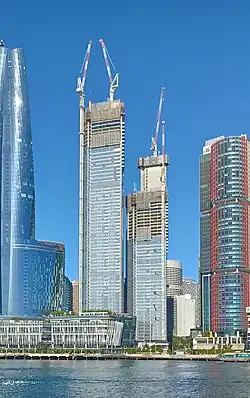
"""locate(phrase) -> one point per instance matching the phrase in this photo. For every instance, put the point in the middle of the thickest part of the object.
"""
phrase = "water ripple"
(123, 379)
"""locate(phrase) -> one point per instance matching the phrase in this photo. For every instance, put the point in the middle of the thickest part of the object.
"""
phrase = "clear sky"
(199, 50)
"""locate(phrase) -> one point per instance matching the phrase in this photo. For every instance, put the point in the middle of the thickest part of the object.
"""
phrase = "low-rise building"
(87, 330)
(18, 333)
(235, 343)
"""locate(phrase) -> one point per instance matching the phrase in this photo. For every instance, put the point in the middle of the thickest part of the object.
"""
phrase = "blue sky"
(199, 50)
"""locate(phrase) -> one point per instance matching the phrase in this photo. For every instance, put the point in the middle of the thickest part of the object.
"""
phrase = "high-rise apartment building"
(101, 217)
(224, 233)
(147, 246)
(190, 286)
(31, 272)
(75, 292)
(174, 278)
(185, 315)
(174, 288)
(68, 295)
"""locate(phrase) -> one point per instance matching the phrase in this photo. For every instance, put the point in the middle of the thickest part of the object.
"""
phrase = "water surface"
(123, 379)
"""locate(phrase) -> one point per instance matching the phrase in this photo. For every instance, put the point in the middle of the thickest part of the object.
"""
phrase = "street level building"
(147, 246)
(224, 234)
(235, 343)
(88, 330)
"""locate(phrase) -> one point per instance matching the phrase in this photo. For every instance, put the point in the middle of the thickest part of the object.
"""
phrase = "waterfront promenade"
(97, 356)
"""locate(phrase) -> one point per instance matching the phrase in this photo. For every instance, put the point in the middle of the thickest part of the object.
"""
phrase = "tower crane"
(81, 80)
(80, 90)
(154, 147)
(114, 82)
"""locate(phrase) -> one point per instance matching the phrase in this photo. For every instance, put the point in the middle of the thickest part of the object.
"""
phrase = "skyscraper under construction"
(101, 199)
(147, 245)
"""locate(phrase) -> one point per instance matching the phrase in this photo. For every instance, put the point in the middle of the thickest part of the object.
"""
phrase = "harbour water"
(123, 379)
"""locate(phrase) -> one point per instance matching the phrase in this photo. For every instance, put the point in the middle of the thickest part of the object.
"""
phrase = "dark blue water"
(123, 379)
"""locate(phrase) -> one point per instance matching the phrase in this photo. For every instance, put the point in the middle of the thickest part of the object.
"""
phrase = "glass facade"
(205, 206)
(148, 286)
(103, 168)
(228, 239)
(147, 247)
(68, 295)
(29, 270)
(38, 284)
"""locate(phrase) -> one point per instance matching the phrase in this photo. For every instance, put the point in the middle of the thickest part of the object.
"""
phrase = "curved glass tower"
(17, 194)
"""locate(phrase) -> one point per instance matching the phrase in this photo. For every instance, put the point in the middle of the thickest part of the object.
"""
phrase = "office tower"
(75, 292)
(185, 315)
(224, 246)
(68, 295)
(101, 202)
(103, 168)
(147, 246)
(30, 271)
(174, 288)
(190, 286)
(174, 278)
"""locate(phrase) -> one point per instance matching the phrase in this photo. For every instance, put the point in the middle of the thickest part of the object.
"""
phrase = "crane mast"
(154, 147)
(80, 90)
(113, 82)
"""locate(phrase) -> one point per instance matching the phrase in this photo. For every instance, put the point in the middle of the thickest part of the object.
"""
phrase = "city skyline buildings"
(224, 224)
(185, 95)
(214, 271)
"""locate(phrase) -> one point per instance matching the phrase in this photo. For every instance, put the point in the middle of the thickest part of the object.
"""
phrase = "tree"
(42, 347)
(182, 344)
